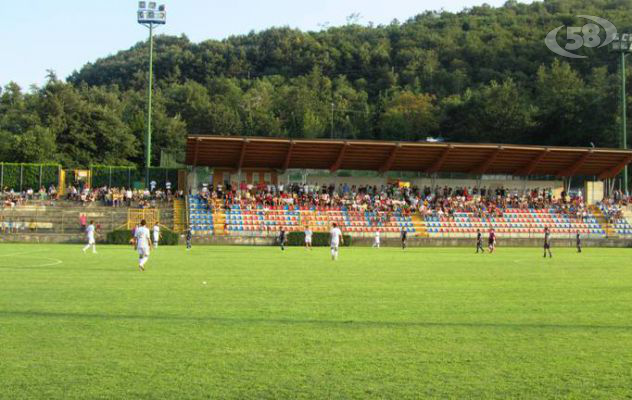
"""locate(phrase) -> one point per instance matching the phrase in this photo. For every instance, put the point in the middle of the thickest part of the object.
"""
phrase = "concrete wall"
(424, 242)
(518, 185)
(594, 192)
(356, 242)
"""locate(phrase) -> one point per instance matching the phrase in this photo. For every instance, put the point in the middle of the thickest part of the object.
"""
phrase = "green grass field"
(425, 323)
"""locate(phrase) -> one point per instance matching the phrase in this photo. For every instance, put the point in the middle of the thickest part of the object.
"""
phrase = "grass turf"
(377, 324)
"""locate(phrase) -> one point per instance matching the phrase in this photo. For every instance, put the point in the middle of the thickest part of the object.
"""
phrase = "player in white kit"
(336, 240)
(376, 241)
(156, 233)
(143, 244)
(308, 238)
(90, 231)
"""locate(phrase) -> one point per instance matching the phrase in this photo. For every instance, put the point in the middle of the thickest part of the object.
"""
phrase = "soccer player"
(282, 239)
(90, 236)
(308, 238)
(376, 241)
(491, 241)
(336, 240)
(189, 238)
(547, 242)
(156, 234)
(578, 239)
(404, 238)
(143, 244)
(479, 242)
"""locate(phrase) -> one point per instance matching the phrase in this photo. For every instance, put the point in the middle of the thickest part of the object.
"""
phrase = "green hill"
(480, 75)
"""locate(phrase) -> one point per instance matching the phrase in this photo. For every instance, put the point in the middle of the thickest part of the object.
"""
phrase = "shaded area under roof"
(283, 154)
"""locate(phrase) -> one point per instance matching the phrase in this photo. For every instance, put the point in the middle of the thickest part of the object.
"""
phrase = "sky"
(63, 35)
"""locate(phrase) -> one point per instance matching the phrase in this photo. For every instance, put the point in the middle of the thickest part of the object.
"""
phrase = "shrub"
(319, 239)
(169, 238)
(112, 176)
(29, 177)
(119, 237)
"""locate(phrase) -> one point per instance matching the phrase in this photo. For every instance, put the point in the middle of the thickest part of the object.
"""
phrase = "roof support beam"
(391, 159)
(611, 173)
(343, 149)
(484, 167)
(288, 156)
(196, 151)
(529, 168)
(572, 170)
(436, 166)
(242, 154)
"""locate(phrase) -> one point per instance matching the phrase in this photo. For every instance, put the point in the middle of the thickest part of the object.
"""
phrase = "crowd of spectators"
(122, 197)
(429, 201)
(115, 197)
(10, 198)
(613, 206)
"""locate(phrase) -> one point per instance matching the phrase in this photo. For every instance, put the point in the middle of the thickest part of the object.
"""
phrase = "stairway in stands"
(420, 225)
(219, 222)
(179, 216)
(601, 220)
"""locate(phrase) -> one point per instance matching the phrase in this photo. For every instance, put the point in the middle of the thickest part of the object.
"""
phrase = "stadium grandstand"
(259, 186)
(240, 187)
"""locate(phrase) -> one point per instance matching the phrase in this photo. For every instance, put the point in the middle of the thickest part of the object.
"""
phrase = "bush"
(104, 175)
(319, 239)
(111, 176)
(30, 175)
(119, 237)
(169, 238)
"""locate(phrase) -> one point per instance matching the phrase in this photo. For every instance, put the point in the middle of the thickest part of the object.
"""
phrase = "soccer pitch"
(424, 323)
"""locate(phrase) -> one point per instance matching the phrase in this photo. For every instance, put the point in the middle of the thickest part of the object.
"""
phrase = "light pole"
(333, 109)
(622, 45)
(150, 15)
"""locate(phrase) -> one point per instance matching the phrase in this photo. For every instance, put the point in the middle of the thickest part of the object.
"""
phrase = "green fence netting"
(28, 176)
(113, 176)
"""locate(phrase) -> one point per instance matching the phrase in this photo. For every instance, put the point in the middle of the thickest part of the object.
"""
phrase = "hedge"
(29, 177)
(112, 176)
(168, 238)
(319, 239)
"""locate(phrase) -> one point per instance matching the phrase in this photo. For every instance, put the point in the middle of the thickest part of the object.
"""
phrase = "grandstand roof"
(506, 159)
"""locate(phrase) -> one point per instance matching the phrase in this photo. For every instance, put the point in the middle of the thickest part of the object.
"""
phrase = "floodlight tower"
(150, 15)
(622, 44)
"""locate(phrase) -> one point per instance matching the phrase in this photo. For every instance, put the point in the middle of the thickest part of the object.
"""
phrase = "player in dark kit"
(189, 238)
(282, 239)
(479, 242)
(491, 241)
(547, 242)
(404, 238)
(578, 239)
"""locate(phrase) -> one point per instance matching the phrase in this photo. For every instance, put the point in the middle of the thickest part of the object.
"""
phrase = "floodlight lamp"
(152, 5)
(142, 5)
(161, 8)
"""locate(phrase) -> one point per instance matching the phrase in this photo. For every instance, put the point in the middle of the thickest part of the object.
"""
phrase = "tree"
(409, 116)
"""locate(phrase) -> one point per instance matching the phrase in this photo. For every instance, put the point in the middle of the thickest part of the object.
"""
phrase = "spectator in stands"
(83, 221)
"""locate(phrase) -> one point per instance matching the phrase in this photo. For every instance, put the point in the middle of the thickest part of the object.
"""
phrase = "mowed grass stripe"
(376, 324)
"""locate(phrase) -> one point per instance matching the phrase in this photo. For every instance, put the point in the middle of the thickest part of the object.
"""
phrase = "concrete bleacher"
(62, 217)
(514, 222)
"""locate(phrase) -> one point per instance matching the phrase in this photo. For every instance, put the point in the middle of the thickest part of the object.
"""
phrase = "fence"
(128, 177)
(24, 176)
(150, 215)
